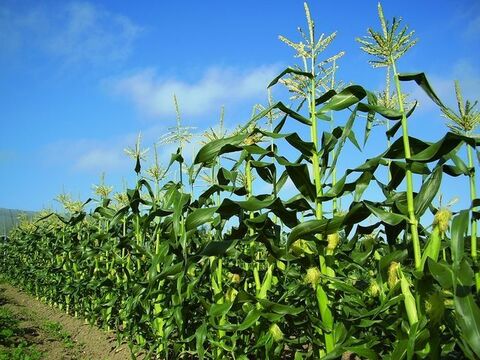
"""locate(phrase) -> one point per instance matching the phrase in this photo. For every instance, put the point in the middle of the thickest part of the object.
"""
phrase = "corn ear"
(409, 300)
(267, 283)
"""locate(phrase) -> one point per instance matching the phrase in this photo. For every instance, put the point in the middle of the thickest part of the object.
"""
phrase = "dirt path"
(32, 330)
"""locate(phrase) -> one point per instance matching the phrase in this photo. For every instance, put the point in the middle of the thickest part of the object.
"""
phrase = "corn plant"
(464, 122)
(388, 47)
(238, 266)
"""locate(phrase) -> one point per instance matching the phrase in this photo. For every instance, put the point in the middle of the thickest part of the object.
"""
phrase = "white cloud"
(93, 35)
(74, 32)
(88, 155)
(99, 159)
(152, 94)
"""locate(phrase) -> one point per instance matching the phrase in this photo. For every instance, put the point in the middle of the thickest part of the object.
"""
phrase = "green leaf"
(361, 184)
(399, 350)
(436, 150)
(301, 179)
(387, 217)
(280, 308)
(201, 336)
(422, 81)
(363, 351)
(199, 217)
(171, 270)
(325, 97)
(428, 192)
(387, 113)
(390, 114)
(393, 130)
(266, 171)
(459, 227)
(442, 273)
(224, 177)
(280, 106)
(220, 309)
(250, 319)
(289, 70)
(208, 154)
(398, 171)
(306, 148)
(217, 248)
(252, 204)
(293, 114)
(177, 157)
(467, 315)
(312, 227)
(345, 134)
(345, 98)
(138, 166)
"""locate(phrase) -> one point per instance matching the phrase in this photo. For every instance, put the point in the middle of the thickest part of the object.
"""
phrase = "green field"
(259, 248)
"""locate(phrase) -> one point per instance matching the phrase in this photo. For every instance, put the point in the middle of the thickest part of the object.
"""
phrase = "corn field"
(237, 270)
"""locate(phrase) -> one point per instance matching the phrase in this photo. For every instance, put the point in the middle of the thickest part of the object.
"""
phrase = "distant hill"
(9, 218)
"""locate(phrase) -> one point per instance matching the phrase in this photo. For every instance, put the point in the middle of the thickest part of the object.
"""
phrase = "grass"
(56, 331)
(12, 346)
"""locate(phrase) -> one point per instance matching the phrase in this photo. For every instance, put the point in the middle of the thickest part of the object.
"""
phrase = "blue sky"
(80, 80)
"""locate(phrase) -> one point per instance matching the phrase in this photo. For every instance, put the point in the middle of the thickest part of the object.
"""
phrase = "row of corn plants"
(262, 251)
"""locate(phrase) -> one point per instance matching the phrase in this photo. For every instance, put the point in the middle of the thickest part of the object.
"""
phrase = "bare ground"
(51, 333)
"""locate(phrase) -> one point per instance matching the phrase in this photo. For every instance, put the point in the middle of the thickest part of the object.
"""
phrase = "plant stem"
(316, 165)
(248, 175)
(473, 222)
(387, 85)
(473, 195)
(406, 144)
(180, 168)
(323, 302)
(334, 171)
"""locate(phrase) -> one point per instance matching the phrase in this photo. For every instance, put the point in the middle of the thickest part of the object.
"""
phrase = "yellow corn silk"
(442, 220)
(333, 240)
(276, 332)
(301, 247)
(234, 278)
(231, 294)
(373, 289)
(393, 274)
(313, 276)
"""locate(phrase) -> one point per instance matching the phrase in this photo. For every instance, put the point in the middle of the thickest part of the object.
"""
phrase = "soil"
(53, 334)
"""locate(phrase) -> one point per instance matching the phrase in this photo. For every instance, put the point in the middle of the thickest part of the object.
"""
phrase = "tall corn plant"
(388, 46)
(306, 82)
(464, 122)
